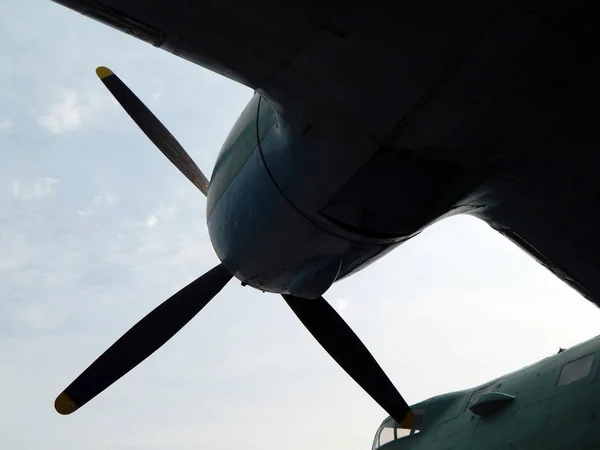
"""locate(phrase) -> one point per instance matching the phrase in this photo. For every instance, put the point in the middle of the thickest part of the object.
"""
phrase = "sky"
(97, 228)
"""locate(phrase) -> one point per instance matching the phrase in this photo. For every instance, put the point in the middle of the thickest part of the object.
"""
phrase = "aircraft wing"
(375, 61)
(246, 41)
(459, 83)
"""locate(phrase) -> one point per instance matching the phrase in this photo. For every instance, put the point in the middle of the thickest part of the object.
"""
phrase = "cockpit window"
(390, 430)
(575, 370)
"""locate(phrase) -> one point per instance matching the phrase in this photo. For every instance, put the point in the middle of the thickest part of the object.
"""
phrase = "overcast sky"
(97, 228)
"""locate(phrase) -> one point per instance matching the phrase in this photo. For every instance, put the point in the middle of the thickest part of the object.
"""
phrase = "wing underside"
(246, 42)
(373, 62)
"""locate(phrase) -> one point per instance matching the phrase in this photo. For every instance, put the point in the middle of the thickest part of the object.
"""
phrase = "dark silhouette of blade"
(147, 336)
(338, 339)
(153, 128)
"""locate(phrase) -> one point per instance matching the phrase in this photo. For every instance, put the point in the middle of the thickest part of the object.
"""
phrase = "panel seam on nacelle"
(302, 213)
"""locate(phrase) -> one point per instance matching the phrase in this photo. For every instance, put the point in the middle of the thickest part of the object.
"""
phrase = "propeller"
(344, 346)
(147, 336)
(153, 128)
(160, 325)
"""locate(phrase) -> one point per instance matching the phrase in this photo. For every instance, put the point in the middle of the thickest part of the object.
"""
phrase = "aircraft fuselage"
(552, 405)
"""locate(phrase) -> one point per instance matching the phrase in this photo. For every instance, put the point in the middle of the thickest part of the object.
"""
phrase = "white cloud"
(85, 212)
(64, 115)
(6, 126)
(39, 318)
(164, 212)
(159, 213)
(151, 221)
(105, 199)
(342, 306)
(101, 199)
(41, 188)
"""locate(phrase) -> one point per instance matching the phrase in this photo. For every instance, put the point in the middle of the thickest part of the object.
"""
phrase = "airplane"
(549, 405)
(368, 124)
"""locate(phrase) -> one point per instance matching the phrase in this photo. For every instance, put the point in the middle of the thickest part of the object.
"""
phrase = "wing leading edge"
(246, 43)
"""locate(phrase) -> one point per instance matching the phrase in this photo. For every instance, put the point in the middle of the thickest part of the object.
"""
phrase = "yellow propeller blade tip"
(64, 405)
(103, 72)
(409, 421)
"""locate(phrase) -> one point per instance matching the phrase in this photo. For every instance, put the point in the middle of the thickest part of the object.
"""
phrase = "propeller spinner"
(150, 333)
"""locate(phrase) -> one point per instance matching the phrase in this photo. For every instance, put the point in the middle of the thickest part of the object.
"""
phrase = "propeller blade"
(338, 339)
(153, 128)
(147, 336)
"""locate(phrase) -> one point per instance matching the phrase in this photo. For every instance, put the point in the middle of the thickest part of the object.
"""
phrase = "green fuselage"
(553, 404)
